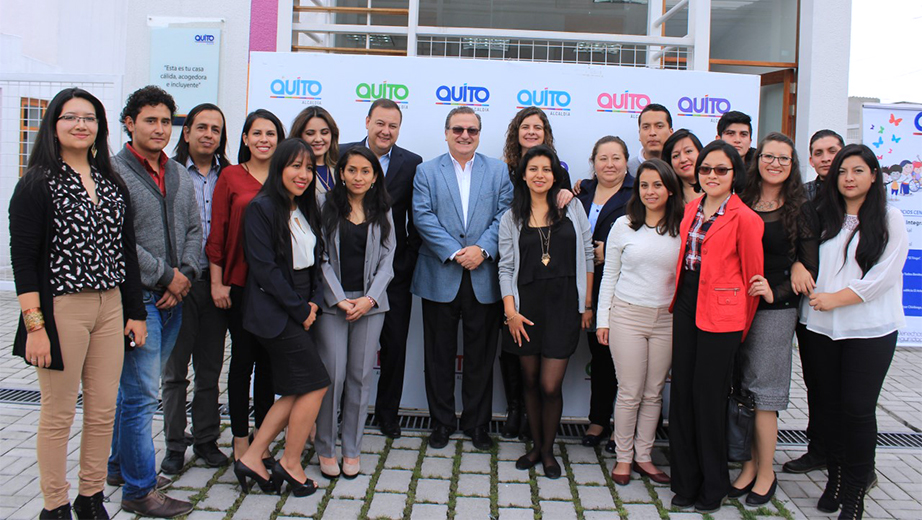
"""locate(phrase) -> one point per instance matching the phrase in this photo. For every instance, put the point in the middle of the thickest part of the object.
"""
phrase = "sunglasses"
(459, 130)
(719, 170)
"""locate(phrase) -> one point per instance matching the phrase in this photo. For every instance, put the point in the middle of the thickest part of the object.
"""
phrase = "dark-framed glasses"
(459, 130)
(719, 170)
(768, 158)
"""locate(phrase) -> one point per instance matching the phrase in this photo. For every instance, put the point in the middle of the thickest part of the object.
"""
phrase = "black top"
(561, 245)
(31, 229)
(780, 256)
(86, 241)
(352, 238)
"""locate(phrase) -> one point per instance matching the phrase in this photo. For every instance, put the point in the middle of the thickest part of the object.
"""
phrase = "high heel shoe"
(242, 472)
(298, 489)
(329, 471)
(594, 440)
(755, 499)
(350, 471)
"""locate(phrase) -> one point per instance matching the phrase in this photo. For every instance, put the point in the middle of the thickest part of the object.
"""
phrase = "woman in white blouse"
(638, 283)
(852, 318)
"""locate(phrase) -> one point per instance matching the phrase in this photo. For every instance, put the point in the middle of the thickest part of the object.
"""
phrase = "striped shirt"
(204, 191)
(696, 234)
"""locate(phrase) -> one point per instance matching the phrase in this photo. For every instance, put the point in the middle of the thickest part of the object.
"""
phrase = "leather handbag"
(741, 413)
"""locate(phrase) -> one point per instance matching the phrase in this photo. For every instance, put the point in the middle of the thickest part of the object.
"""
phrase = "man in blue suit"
(458, 199)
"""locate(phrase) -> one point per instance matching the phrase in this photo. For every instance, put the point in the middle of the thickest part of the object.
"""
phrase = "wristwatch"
(484, 253)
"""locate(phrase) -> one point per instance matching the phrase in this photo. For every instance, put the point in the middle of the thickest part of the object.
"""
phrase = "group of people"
(700, 260)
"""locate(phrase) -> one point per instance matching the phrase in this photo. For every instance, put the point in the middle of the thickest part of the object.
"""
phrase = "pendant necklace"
(545, 245)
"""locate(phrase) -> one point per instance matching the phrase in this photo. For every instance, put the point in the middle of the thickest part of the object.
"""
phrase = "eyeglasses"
(459, 130)
(719, 170)
(72, 119)
(768, 158)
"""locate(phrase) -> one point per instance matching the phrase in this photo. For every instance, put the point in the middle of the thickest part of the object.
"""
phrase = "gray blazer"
(379, 268)
(509, 231)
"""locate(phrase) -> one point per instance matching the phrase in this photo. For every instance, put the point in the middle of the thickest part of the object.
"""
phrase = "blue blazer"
(437, 215)
(269, 298)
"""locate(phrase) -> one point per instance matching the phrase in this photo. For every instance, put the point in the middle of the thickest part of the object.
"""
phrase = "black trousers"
(246, 354)
(201, 338)
(702, 365)
(603, 383)
(480, 328)
(816, 444)
(393, 353)
(849, 374)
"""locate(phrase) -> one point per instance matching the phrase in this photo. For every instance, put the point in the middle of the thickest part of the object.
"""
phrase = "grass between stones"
(414, 480)
(533, 483)
(494, 480)
(568, 474)
(455, 477)
(370, 492)
(619, 505)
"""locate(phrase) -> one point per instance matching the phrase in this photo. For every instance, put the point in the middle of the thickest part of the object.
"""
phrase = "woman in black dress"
(544, 250)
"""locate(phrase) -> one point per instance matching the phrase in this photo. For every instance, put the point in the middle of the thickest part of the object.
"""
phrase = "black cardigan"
(31, 231)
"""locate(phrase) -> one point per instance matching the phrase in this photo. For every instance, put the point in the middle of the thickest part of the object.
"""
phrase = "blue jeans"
(132, 439)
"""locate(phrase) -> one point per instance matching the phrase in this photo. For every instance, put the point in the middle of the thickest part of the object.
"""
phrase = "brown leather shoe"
(659, 477)
(118, 481)
(157, 505)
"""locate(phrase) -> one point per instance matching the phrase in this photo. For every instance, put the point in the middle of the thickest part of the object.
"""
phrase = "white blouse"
(302, 240)
(640, 268)
(880, 289)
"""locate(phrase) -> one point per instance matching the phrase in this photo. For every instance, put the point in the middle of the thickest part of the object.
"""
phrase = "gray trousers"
(201, 338)
(348, 351)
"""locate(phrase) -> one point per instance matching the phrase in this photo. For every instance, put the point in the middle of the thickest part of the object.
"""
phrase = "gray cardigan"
(509, 231)
(168, 229)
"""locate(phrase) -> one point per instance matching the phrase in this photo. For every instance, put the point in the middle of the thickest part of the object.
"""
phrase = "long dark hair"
(512, 152)
(872, 217)
(673, 140)
(274, 189)
(45, 159)
(521, 195)
(636, 211)
(182, 147)
(243, 153)
(300, 123)
(739, 167)
(792, 190)
(376, 202)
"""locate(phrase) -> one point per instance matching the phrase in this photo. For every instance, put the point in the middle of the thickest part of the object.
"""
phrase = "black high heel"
(242, 472)
(268, 462)
(298, 489)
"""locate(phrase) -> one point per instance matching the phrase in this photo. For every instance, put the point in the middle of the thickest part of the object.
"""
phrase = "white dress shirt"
(464, 183)
(302, 240)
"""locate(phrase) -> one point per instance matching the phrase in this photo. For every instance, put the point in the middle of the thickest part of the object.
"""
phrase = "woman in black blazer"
(604, 198)
(284, 291)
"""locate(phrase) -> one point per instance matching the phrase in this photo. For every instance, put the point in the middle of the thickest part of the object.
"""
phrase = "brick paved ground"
(405, 479)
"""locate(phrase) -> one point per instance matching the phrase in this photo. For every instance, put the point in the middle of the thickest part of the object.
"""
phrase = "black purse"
(741, 413)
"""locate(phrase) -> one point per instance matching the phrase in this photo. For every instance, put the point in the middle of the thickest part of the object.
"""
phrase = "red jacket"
(731, 255)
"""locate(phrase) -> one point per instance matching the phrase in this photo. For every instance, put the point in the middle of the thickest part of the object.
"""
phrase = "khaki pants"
(640, 339)
(90, 329)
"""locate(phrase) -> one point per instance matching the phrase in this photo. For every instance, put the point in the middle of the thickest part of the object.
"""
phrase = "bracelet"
(34, 319)
(506, 321)
(372, 300)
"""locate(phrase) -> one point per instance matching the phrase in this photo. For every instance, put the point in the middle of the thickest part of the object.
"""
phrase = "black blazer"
(31, 231)
(399, 182)
(269, 298)
(611, 211)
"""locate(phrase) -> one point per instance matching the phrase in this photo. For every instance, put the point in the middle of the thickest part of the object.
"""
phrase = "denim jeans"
(132, 437)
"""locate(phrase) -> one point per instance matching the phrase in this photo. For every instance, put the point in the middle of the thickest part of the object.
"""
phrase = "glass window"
(31, 112)
(754, 30)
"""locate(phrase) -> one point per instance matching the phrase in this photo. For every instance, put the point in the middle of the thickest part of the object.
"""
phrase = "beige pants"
(640, 339)
(90, 329)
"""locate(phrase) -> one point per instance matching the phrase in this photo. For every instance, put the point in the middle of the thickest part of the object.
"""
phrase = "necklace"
(545, 245)
(767, 205)
(325, 178)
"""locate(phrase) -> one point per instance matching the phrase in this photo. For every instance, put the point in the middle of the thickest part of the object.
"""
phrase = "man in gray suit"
(458, 199)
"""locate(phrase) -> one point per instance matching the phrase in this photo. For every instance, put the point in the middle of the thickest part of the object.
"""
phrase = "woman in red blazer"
(712, 309)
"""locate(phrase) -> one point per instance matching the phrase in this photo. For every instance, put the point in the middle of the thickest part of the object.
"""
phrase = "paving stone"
(468, 507)
(516, 513)
(557, 510)
(194, 478)
(582, 455)
(387, 505)
(435, 491)
(401, 459)
(221, 497)
(338, 508)
(437, 467)
(554, 488)
(514, 495)
(642, 512)
(468, 447)
(507, 472)
(634, 492)
(429, 512)
(510, 450)
(355, 488)
(369, 462)
(595, 497)
(587, 473)
(407, 443)
(475, 463)
(396, 480)
(373, 443)
(474, 485)
(680, 516)
(205, 515)
(447, 451)
(302, 506)
(727, 512)
(256, 507)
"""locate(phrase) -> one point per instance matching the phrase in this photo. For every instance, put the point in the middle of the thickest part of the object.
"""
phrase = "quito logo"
(625, 102)
(918, 121)
(368, 92)
(545, 99)
(706, 106)
(466, 95)
(296, 88)
(207, 39)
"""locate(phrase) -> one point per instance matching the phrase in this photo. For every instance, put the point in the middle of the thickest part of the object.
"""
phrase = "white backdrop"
(583, 103)
(894, 133)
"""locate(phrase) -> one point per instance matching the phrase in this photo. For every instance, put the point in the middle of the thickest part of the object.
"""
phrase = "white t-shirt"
(302, 240)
